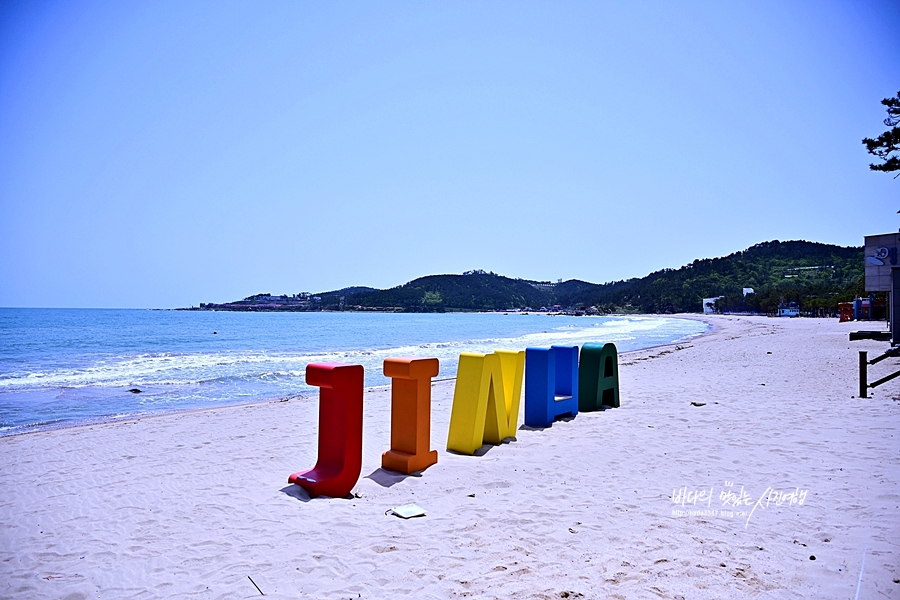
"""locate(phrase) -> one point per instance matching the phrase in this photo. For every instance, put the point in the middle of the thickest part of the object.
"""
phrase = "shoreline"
(34, 429)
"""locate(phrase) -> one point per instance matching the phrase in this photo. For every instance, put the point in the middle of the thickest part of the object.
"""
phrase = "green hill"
(816, 276)
(471, 291)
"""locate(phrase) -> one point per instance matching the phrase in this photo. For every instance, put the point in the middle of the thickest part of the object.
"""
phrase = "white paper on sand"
(407, 511)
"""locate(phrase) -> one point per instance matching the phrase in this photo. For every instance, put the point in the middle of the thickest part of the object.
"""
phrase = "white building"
(788, 310)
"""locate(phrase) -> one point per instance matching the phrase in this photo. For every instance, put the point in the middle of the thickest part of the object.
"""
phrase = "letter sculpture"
(340, 430)
(485, 400)
(410, 414)
(598, 377)
(551, 384)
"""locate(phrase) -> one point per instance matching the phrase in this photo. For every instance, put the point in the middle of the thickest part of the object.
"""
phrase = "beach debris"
(471, 495)
(812, 557)
(698, 403)
(256, 586)
(407, 511)
(135, 391)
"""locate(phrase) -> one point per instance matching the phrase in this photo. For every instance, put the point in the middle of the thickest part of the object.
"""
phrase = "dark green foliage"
(887, 145)
(776, 270)
(334, 299)
(816, 276)
(762, 267)
(473, 291)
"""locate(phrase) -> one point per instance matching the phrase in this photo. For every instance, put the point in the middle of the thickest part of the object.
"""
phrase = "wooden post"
(863, 374)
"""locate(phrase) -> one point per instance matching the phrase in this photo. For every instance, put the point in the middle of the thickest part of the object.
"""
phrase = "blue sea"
(64, 367)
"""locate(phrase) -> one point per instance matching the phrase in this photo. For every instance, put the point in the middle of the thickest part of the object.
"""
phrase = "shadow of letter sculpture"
(340, 430)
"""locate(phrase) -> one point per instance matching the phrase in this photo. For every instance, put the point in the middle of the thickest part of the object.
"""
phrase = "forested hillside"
(472, 291)
(816, 276)
(813, 275)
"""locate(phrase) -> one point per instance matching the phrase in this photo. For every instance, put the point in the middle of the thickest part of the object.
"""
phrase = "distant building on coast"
(546, 286)
(882, 266)
(788, 310)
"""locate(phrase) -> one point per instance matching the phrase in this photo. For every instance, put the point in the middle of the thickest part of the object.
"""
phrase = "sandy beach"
(665, 497)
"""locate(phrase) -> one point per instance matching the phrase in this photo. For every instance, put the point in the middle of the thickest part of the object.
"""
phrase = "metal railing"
(864, 363)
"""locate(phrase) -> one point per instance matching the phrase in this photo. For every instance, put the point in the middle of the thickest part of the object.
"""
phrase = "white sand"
(194, 504)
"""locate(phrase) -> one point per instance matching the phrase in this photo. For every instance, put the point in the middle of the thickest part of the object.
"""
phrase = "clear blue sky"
(162, 154)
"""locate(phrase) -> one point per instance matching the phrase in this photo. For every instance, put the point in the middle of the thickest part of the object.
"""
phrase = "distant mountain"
(357, 289)
(475, 290)
(816, 276)
(336, 297)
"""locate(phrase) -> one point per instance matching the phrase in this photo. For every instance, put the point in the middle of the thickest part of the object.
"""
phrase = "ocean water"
(64, 367)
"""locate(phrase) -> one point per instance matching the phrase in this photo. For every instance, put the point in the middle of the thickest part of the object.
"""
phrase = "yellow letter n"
(485, 400)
